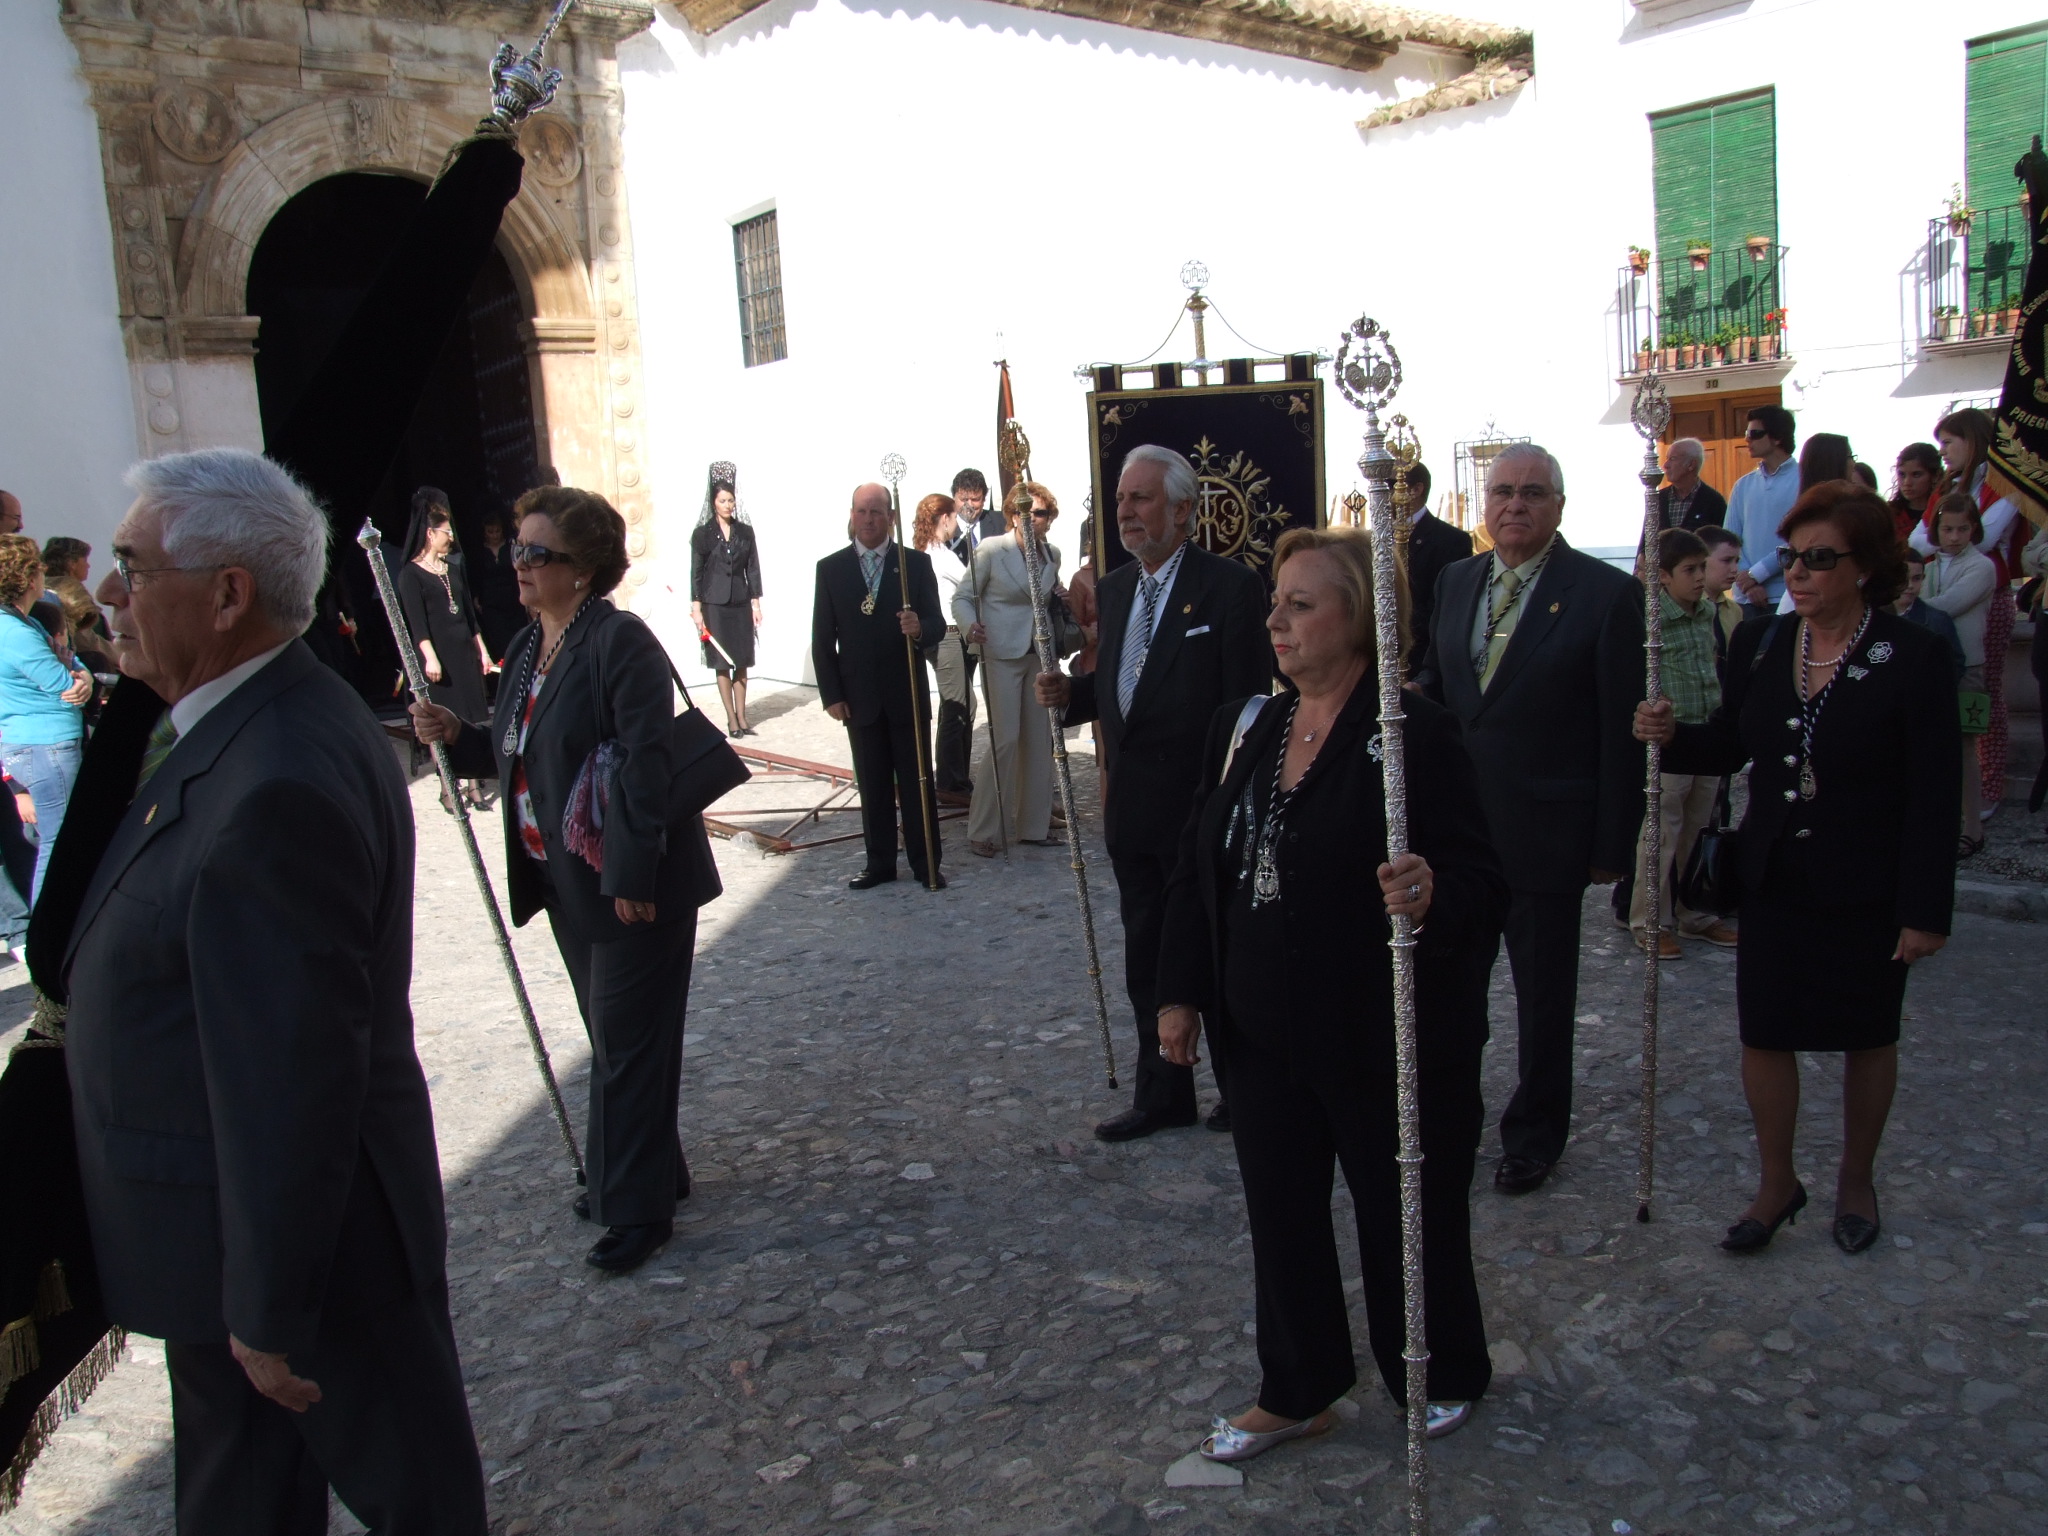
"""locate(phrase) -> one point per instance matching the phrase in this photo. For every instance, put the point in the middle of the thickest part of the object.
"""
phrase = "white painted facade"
(959, 169)
(66, 417)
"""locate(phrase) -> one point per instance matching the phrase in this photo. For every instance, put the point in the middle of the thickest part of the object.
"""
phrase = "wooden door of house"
(1719, 422)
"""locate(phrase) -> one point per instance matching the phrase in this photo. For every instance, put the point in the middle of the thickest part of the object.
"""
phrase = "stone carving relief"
(195, 122)
(380, 130)
(553, 157)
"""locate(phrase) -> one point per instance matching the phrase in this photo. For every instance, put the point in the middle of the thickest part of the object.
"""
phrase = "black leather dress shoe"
(624, 1248)
(581, 1204)
(868, 879)
(1133, 1123)
(1855, 1233)
(1219, 1117)
(937, 885)
(1516, 1175)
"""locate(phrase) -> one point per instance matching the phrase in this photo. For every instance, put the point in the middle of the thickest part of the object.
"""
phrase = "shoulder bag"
(703, 763)
(1712, 878)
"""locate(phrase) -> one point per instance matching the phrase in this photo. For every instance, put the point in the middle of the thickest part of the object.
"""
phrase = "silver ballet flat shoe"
(1226, 1442)
(1446, 1419)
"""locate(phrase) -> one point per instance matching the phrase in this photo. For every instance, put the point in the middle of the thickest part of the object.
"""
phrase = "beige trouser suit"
(996, 593)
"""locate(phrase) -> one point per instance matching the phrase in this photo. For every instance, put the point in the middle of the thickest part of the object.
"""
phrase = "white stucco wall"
(67, 428)
(959, 169)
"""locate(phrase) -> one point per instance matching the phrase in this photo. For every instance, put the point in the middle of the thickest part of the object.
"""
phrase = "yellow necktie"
(1503, 627)
(162, 737)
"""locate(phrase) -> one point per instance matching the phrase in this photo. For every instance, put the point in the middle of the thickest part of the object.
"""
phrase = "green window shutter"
(2007, 105)
(1745, 170)
(1682, 163)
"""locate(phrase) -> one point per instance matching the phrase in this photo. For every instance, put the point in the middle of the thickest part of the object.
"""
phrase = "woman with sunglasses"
(586, 702)
(1844, 857)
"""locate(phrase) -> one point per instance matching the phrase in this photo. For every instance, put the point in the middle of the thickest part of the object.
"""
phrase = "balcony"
(1706, 318)
(1976, 267)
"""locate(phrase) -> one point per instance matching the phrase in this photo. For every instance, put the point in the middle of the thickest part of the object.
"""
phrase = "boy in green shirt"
(1691, 681)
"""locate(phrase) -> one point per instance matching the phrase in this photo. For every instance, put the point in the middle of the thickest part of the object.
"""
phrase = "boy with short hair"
(1692, 682)
(1724, 559)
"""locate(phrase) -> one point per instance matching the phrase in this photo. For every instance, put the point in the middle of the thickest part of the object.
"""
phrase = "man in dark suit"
(1684, 500)
(1432, 545)
(1182, 632)
(857, 630)
(254, 1135)
(1538, 650)
(978, 519)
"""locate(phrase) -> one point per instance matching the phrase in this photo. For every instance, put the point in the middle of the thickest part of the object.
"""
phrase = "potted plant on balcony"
(1688, 350)
(1771, 342)
(1743, 346)
(1960, 214)
(1698, 252)
(1948, 323)
(1759, 247)
(1977, 322)
(2012, 312)
(1638, 260)
(1716, 348)
(1667, 355)
(1644, 354)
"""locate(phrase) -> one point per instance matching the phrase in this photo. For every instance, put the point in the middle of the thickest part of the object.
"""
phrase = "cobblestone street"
(912, 1293)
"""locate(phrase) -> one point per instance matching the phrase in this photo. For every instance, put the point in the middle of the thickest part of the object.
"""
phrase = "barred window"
(757, 253)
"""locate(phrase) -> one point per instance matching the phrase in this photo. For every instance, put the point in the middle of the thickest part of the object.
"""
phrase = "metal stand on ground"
(1368, 374)
(1651, 413)
(416, 680)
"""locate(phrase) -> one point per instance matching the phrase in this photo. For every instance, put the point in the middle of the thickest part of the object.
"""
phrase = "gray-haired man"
(1684, 500)
(254, 1134)
(1183, 632)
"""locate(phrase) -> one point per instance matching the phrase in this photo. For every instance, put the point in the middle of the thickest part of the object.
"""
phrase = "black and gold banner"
(2019, 456)
(1258, 449)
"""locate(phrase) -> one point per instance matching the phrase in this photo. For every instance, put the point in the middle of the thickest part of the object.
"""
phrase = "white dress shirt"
(201, 701)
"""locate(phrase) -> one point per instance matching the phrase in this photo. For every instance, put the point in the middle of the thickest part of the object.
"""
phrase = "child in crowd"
(1692, 682)
(1724, 559)
(1926, 615)
(1961, 581)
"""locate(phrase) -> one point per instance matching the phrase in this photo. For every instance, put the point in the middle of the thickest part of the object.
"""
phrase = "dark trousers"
(390, 1434)
(1296, 1115)
(953, 754)
(1158, 1086)
(633, 993)
(885, 759)
(1543, 954)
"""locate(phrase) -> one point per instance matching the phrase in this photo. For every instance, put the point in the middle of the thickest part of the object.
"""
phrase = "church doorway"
(473, 434)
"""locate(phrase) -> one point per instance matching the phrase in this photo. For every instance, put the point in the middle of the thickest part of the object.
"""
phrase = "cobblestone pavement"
(913, 1294)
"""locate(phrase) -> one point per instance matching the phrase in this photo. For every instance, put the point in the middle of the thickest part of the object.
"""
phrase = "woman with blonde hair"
(993, 609)
(1275, 934)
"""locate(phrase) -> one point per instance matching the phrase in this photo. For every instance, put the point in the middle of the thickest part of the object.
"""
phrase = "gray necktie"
(1134, 653)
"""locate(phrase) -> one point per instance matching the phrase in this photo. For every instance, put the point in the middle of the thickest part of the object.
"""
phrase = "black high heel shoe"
(1749, 1234)
(1855, 1233)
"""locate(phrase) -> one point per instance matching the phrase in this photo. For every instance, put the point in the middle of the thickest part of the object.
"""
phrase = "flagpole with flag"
(2019, 453)
(1006, 412)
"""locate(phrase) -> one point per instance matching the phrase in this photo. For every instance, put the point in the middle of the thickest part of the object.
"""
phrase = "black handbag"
(1710, 881)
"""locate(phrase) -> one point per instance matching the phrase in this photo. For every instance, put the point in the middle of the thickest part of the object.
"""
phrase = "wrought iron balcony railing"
(1719, 308)
(1976, 266)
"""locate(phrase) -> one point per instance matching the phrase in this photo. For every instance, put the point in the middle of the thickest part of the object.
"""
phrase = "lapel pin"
(1555, 606)
(149, 816)
(1187, 607)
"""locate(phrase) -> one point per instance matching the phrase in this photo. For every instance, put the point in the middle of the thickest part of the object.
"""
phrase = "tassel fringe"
(60, 1405)
(20, 1349)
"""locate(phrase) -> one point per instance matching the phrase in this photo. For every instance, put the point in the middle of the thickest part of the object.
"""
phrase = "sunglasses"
(1818, 558)
(535, 554)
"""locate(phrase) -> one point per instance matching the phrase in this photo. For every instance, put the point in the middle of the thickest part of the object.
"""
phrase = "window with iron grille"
(757, 253)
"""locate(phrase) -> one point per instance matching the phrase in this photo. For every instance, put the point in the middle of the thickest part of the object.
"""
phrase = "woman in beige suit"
(992, 606)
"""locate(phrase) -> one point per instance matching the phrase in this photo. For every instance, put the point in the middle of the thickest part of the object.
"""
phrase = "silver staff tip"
(369, 538)
(1643, 1211)
(893, 467)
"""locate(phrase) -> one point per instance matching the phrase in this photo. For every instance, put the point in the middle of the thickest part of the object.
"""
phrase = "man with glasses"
(1538, 650)
(1761, 500)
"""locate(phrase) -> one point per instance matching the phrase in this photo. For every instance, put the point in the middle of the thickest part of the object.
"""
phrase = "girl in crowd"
(1962, 583)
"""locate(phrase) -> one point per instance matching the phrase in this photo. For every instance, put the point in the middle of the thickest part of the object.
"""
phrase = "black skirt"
(1812, 974)
(732, 625)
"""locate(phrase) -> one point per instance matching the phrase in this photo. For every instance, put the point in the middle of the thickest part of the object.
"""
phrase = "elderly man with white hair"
(1183, 633)
(1684, 500)
(233, 925)
(1538, 650)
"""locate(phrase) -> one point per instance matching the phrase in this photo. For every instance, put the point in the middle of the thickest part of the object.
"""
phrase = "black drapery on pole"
(2019, 456)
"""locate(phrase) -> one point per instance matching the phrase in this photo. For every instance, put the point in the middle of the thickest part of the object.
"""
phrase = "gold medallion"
(867, 604)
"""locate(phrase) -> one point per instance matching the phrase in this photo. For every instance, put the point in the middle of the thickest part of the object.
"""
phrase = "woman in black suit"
(1846, 853)
(1275, 934)
(725, 593)
(440, 614)
(584, 715)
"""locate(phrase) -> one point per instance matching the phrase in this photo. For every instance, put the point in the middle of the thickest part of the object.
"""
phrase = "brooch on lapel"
(1857, 674)
(1187, 607)
(1880, 652)
(149, 816)
(1554, 607)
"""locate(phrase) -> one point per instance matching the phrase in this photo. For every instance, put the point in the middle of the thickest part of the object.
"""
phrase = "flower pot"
(1766, 347)
(1716, 356)
(1668, 356)
(2012, 317)
(1961, 227)
(1698, 259)
(1688, 357)
(1951, 327)
(1759, 247)
(1745, 348)
(1976, 322)
(1639, 262)
(1643, 358)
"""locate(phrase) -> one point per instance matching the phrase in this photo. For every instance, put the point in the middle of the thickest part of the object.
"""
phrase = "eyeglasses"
(1525, 492)
(1753, 433)
(537, 555)
(1818, 558)
(128, 573)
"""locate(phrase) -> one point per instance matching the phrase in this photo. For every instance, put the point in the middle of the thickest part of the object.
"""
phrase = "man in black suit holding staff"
(1538, 650)
(858, 622)
(1183, 632)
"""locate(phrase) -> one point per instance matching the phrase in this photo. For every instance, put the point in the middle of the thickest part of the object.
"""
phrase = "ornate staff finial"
(893, 468)
(520, 87)
(1013, 450)
(1650, 411)
(1194, 277)
(1368, 371)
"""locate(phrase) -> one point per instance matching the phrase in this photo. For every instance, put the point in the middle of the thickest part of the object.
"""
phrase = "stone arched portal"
(197, 169)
